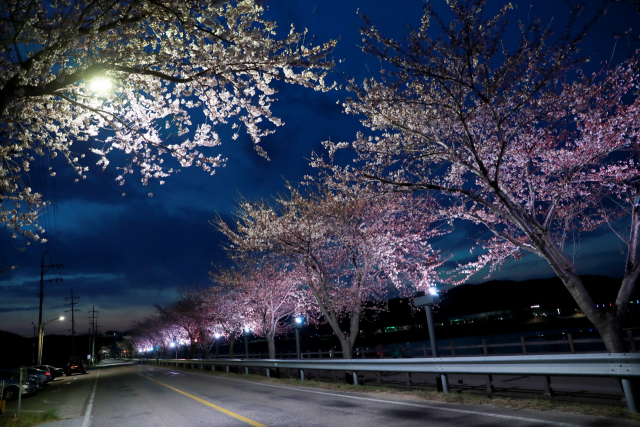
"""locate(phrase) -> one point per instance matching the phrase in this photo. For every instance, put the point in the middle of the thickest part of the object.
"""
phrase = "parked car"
(37, 379)
(45, 377)
(75, 365)
(12, 384)
(45, 371)
(55, 372)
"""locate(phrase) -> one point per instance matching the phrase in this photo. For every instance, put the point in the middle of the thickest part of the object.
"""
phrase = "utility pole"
(94, 330)
(73, 324)
(43, 269)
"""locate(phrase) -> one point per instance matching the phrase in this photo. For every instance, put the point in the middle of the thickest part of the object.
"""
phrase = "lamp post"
(247, 334)
(297, 325)
(41, 338)
(427, 301)
(217, 345)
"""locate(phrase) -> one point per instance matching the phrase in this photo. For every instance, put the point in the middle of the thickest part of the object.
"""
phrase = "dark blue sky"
(122, 254)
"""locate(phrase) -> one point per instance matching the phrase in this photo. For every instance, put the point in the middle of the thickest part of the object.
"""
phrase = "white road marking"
(86, 422)
(392, 402)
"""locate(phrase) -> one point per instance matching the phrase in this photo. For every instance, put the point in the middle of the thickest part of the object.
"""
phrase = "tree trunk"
(232, 343)
(347, 348)
(610, 329)
(271, 343)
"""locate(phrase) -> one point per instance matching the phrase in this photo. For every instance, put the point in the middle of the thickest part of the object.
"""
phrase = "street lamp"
(217, 345)
(297, 325)
(247, 334)
(41, 338)
(426, 301)
(173, 344)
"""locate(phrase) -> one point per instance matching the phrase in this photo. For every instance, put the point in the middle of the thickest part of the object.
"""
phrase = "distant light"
(100, 84)
(609, 304)
(247, 329)
(298, 319)
(535, 306)
(173, 345)
(217, 336)
(61, 318)
(433, 291)
(558, 311)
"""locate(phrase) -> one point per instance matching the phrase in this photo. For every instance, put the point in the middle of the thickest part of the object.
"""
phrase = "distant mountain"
(498, 295)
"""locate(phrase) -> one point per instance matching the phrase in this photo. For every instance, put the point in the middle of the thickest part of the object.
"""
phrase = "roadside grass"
(28, 419)
(617, 412)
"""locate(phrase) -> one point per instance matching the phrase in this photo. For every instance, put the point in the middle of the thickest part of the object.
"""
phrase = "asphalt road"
(146, 396)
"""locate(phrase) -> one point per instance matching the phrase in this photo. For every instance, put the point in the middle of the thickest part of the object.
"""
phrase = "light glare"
(100, 84)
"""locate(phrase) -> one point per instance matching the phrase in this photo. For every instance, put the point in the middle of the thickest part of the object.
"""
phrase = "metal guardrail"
(625, 366)
(616, 365)
(522, 346)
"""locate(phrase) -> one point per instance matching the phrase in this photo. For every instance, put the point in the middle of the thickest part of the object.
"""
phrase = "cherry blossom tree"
(514, 138)
(272, 293)
(186, 316)
(126, 76)
(226, 313)
(150, 332)
(352, 250)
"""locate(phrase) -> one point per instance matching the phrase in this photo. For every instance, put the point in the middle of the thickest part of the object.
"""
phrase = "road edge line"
(86, 422)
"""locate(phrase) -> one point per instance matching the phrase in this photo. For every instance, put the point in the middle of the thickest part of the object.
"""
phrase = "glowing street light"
(297, 324)
(247, 334)
(217, 344)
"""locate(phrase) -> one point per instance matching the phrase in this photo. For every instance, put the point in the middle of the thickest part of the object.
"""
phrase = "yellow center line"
(216, 407)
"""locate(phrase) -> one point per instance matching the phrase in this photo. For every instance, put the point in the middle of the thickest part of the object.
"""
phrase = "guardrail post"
(301, 374)
(571, 347)
(547, 386)
(379, 377)
(524, 345)
(355, 378)
(453, 349)
(246, 370)
(631, 393)
(489, 386)
(425, 350)
(227, 369)
(409, 379)
(489, 377)
(632, 343)
(484, 347)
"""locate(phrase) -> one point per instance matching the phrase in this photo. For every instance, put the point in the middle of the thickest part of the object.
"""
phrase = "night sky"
(122, 254)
